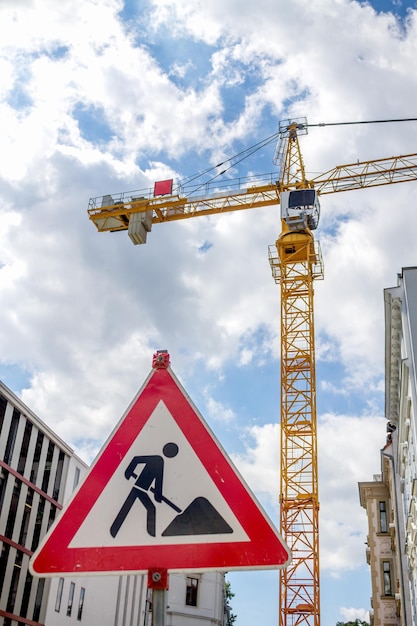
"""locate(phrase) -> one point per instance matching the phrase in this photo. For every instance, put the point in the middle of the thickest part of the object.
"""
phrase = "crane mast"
(296, 263)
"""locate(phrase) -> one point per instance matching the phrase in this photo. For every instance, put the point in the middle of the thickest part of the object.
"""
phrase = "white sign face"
(192, 509)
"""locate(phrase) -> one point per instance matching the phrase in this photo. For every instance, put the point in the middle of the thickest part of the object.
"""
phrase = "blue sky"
(100, 98)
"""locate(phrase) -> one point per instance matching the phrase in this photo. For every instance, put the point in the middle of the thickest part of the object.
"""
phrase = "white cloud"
(260, 463)
(351, 614)
(217, 411)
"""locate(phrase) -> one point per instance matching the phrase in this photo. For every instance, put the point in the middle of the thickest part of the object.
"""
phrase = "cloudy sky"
(104, 96)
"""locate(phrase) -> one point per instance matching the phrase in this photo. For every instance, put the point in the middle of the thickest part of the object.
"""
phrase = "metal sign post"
(158, 582)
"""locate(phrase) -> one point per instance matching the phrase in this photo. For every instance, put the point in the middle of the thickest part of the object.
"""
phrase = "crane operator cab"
(300, 209)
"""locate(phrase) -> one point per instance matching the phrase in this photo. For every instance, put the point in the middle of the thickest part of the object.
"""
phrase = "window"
(386, 568)
(3, 406)
(383, 526)
(13, 509)
(52, 514)
(59, 595)
(24, 448)
(70, 599)
(38, 600)
(36, 458)
(76, 477)
(4, 559)
(12, 436)
(26, 518)
(191, 591)
(48, 465)
(26, 595)
(302, 197)
(14, 583)
(81, 604)
(4, 474)
(38, 523)
(58, 475)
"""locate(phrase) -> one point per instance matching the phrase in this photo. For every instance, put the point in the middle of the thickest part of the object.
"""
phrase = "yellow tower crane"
(295, 262)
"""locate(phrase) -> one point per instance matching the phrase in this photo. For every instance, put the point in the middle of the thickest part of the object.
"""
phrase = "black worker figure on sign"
(149, 480)
(198, 518)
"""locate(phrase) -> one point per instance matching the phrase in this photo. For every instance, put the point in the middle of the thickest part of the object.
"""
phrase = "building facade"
(384, 543)
(397, 487)
(38, 473)
(400, 403)
(192, 600)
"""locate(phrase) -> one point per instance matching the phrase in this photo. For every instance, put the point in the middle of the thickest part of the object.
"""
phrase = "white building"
(400, 403)
(391, 501)
(38, 473)
(400, 454)
(192, 600)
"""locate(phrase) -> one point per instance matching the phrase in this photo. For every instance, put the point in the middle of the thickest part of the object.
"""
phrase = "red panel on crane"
(163, 187)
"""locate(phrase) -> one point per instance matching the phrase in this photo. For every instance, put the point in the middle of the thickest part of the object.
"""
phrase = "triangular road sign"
(162, 494)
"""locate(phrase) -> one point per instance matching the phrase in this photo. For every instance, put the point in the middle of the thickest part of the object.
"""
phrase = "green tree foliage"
(357, 622)
(229, 595)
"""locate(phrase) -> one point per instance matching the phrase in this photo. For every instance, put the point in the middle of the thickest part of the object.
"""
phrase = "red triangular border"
(265, 549)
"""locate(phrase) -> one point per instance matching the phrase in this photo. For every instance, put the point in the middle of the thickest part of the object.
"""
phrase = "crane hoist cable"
(403, 119)
(234, 160)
